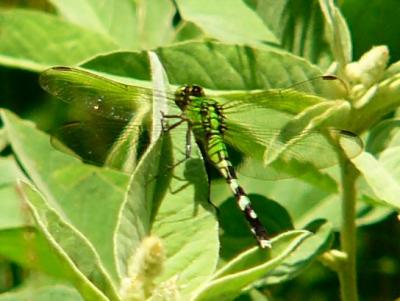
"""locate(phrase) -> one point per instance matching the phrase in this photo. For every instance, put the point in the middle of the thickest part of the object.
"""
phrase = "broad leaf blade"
(140, 24)
(213, 65)
(83, 267)
(228, 20)
(249, 267)
(23, 48)
(88, 197)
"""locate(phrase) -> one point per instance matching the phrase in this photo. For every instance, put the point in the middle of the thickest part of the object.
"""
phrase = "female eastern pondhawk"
(269, 127)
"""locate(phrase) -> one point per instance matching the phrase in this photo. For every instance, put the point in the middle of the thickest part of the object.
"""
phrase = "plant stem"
(347, 271)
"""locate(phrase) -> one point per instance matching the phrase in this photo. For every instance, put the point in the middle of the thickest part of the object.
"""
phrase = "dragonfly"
(262, 125)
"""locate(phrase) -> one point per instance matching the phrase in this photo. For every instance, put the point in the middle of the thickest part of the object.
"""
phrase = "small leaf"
(189, 31)
(379, 179)
(384, 100)
(384, 134)
(312, 247)
(338, 32)
(248, 267)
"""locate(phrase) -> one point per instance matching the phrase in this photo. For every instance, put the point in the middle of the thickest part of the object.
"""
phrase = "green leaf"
(384, 134)
(311, 248)
(248, 267)
(129, 24)
(3, 139)
(189, 31)
(390, 160)
(44, 293)
(137, 210)
(384, 99)
(337, 32)
(88, 197)
(24, 32)
(187, 223)
(300, 27)
(30, 249)
(81, 261)
(183, 220)
(227, 20)
(373, 211)
(12, 213)
(381, 181)
(215, 66)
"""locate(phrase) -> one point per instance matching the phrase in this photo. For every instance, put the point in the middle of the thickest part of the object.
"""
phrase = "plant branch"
(347, 270)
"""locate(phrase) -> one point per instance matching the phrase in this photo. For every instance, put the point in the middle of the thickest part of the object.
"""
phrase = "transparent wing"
(284, 153)
(292, 100)
(101, 142)
(282, 132)
(95, 94)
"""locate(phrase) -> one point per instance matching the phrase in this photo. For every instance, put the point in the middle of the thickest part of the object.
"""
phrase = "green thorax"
(203, 114)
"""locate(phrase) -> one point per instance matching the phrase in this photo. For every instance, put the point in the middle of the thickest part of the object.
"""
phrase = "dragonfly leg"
(188, 152)
(188, 148)
(167, 127)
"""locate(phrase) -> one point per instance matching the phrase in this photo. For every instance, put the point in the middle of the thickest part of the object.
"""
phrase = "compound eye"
(197, 91)
(186, 90)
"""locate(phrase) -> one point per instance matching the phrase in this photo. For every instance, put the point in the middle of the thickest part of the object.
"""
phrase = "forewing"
(95, 94)
(290, 100)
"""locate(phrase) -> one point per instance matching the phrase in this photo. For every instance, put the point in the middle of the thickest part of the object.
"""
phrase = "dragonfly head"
(185, 94)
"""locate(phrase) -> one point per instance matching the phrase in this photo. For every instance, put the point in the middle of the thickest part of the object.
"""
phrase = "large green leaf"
(24, 32)
(227, 20)
(130, 24)
(176, 210)
(82, 264)
(44, 293)
(75, 190)
(218, 66)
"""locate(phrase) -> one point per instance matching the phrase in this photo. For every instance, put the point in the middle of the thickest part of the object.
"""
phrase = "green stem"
(347, 271)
